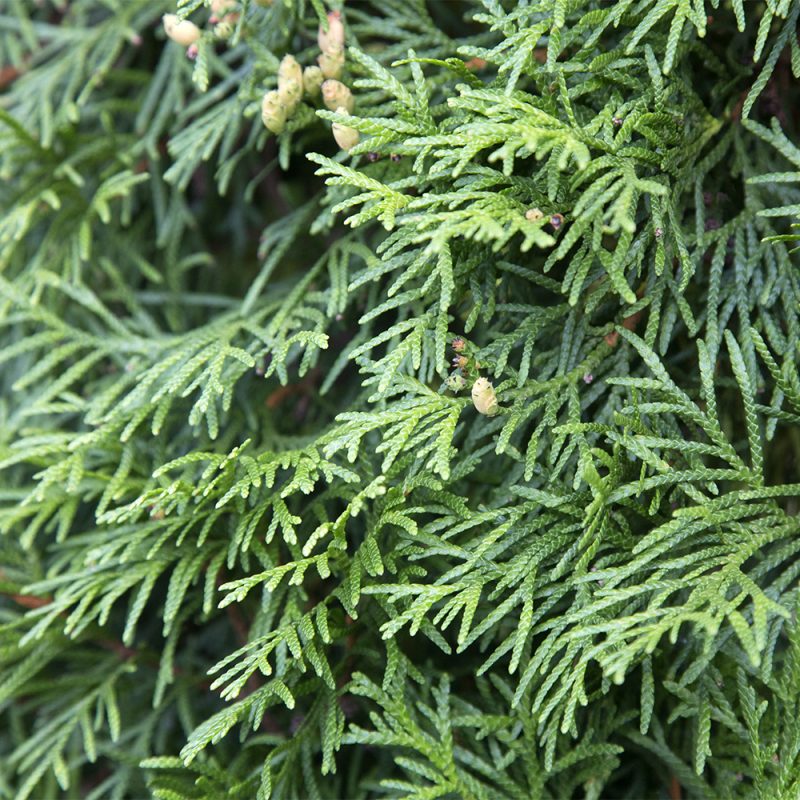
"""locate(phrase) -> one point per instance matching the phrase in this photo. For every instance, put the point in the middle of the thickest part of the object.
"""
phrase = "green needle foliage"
(257, 541)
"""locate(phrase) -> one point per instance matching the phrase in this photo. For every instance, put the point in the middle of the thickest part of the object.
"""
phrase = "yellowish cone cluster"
(335, 95)
(279, 105)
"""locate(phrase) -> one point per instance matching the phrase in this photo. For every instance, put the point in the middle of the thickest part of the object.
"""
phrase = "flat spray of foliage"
(256, 540)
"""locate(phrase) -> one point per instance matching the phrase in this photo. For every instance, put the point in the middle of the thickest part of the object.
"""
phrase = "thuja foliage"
(259, 538)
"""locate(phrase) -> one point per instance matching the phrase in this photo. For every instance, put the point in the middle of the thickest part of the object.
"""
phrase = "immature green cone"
(182, 31)
(290, 83)
(335, 95)
(331, 64)
(455, 382)
(223, 30)
(345, 137)
(273, 112)
(312, 81)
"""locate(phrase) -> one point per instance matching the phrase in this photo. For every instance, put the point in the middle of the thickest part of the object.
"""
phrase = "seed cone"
(312, 80)
(332, 40)
(331, 64)
(273, 112)
(336, 95)
(345, 136)
(182, 31)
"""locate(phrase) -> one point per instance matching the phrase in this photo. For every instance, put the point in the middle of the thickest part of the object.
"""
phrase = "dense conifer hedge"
(399, 399)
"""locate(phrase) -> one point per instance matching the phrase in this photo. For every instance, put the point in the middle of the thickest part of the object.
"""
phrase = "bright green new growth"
(253, 544)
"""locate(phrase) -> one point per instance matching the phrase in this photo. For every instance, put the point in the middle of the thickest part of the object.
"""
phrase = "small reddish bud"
(475, 64)
(455, 382)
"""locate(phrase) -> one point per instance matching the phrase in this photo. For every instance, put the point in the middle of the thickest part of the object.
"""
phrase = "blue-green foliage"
(252, 545)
